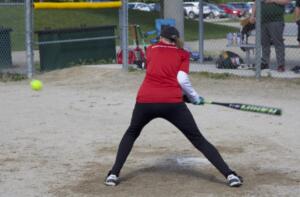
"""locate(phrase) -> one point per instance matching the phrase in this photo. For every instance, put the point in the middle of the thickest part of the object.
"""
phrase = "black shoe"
(296, 69)
(234, 180)
(264, 66)
(112, 180)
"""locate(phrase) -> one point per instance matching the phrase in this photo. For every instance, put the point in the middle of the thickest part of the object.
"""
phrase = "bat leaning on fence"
(245, 107)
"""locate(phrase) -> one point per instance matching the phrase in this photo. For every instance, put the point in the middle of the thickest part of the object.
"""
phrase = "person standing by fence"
(297, 18)
(272, 26)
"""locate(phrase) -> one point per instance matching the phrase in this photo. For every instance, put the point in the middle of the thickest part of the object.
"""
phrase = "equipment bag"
(135, 56)
(229, 60)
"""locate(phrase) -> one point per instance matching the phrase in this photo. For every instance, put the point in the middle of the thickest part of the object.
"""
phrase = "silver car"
(216, 12)
(191, 10)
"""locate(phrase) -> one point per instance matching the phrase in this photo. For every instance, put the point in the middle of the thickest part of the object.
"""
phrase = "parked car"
(228, 9)
(191, 9)
(139, 6)
(215, 11)
(243, 7)
(88, 0)
(240, 5)
(250, 4)
(154, 6)
(189, 1)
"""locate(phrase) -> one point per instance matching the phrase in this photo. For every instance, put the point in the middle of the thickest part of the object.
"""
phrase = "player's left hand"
(200, 101)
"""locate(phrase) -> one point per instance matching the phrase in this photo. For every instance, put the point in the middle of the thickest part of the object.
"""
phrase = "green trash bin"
(5, 48)
(61, 48)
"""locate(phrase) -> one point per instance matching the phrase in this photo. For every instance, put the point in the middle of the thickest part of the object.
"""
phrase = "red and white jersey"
(160, 85)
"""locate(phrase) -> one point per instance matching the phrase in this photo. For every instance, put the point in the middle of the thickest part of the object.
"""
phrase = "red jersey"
(160, 84)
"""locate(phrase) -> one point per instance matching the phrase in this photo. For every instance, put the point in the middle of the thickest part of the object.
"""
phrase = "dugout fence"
(74, 37)
(19, 46)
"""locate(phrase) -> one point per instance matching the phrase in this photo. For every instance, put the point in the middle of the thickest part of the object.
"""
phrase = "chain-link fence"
(12, 36)
(223, 33)
(277, 55)
(33, 40)
(66, 36)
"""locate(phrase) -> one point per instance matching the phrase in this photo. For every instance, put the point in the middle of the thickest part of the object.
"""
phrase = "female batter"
(161, 96)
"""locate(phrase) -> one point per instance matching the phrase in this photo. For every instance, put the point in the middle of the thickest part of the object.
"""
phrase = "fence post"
(201, 32)
(258, 39)
(29, 38)
(120, 26)
(124, 34)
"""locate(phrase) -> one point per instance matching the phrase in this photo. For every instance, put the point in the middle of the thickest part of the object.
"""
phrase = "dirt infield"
(62, 140)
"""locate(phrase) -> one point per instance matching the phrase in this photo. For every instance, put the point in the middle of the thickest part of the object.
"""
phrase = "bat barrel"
(246, 107)
(250, 108)
(261, 109)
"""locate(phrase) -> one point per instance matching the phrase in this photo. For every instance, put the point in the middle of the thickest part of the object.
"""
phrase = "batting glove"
(200, 101)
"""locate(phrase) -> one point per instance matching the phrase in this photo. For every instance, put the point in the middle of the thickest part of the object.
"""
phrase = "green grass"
(71, 18)
(289, 18)
(211, 31)
(56, 19)
(13, 17)
(214, 75)
(5, 77)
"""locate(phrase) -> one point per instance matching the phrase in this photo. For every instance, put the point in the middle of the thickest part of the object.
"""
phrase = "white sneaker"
(112, 180)
(234, 180)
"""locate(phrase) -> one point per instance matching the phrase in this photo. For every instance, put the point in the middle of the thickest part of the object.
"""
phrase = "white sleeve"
(186, 86)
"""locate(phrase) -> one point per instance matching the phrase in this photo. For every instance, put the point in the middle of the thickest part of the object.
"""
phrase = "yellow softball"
(36, 85)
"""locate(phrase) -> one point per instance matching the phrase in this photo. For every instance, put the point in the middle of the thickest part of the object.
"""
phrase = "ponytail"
(178, 43)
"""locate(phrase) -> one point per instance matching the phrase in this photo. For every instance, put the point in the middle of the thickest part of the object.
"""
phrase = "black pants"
(180, 116)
